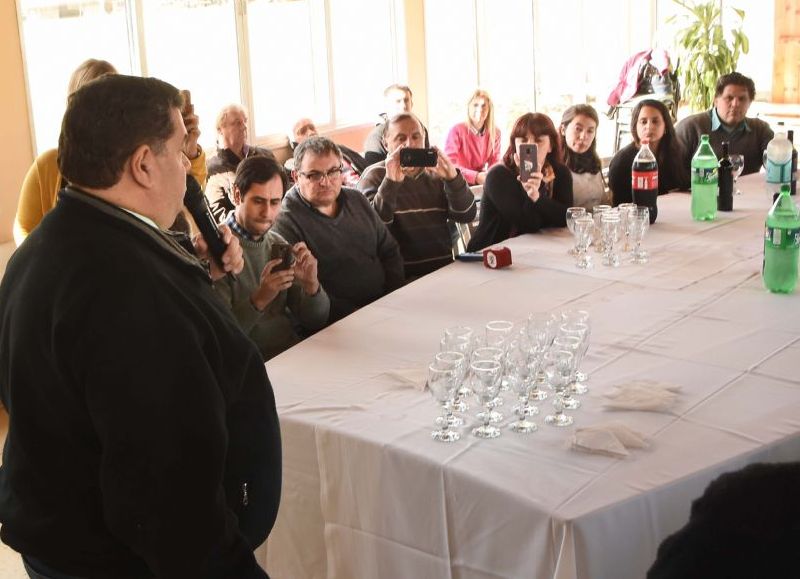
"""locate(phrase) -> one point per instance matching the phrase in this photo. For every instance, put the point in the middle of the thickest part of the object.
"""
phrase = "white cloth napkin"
(646, 395)
(414, 377)
(610, 439)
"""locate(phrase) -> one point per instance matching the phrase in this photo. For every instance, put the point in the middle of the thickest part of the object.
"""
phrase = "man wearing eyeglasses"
(416, 202)
(358, 259)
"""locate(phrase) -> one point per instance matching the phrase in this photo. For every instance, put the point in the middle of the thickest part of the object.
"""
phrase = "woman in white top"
(578, 128)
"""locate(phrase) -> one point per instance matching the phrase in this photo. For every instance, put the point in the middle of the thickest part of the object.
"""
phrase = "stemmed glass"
(558, 370)
(579, 318)
(442, 384)
(641, 223)
(583, 228)
(487, 377)
(597, 214)
(737, 161)
(579, 332)
(495, 355)
(520, 379)
(498, 332)
(625, 217)
(566, 368)
(572, 214)
(457, 362)
(609, 223)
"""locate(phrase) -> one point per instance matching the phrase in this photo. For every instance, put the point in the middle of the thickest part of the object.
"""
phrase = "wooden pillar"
(786, 67)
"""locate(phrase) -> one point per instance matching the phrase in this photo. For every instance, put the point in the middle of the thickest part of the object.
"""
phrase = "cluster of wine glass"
(532, 361)
(612, 231)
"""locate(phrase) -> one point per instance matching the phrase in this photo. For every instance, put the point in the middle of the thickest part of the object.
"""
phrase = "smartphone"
(528, 160)
(282, 251)
(418, 157)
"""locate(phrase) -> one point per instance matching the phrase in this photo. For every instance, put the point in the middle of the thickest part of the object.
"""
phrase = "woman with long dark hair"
(510, 207)
(650, 120)
(579, 131)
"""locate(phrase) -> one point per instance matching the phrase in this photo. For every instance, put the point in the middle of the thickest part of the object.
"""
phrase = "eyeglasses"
(318, 176)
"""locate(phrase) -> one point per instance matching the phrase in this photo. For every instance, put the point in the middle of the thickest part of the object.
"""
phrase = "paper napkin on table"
(610, 438)
(648, 395)
(414, 377)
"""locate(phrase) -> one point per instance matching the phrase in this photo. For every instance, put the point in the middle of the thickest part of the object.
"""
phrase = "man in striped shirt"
(415, 202)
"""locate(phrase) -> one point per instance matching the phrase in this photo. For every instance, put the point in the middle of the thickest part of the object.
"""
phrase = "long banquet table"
(368, 494)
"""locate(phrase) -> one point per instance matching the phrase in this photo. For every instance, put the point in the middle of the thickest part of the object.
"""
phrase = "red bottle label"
(645, 180)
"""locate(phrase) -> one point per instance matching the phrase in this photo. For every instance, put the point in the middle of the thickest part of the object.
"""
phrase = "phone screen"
(528, 160)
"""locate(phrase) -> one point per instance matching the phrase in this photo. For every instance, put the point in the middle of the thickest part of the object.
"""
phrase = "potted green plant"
(707, 49)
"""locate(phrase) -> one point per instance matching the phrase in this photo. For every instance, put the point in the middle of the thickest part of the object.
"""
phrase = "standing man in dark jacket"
(143, 437)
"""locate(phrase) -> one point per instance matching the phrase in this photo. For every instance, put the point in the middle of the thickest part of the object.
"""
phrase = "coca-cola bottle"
(644, 179)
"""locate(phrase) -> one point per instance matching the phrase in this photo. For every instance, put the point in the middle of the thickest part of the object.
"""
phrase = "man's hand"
(444, 168)
(531, 186)
(271, 284)
(394, 172)
(232, 259)
(305, 268)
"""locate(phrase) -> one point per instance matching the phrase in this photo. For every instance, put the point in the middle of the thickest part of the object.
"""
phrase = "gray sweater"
(751, 143)
(359, 260)
(416, 211)
(270, 329)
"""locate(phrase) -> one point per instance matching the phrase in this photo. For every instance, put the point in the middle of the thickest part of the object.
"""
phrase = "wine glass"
(579, 331)
(572, 214)
(498, 332)
(455, 361)
(442, 384)
(737, 163)
(520, 380)
(597, 213)
(558, 367)
(625, 217)
(641, 223)
(609, 223)
(583, 229)
(567, 345)
(487, 374)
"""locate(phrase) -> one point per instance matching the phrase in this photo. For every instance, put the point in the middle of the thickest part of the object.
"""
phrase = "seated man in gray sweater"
(727, 121)
(359, 260)
(414, 202)
(270, 291)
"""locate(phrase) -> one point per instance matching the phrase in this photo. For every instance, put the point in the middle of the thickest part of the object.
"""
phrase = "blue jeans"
(38, 570)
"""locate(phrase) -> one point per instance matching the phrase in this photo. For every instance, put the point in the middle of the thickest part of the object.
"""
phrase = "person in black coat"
(510, 207)
(143, 436)
(746, 525)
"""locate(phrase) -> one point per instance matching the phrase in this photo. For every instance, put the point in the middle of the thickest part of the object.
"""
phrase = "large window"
(282, 59)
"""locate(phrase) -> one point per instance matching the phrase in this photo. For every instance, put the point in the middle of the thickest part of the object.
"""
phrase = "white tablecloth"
(368, 494)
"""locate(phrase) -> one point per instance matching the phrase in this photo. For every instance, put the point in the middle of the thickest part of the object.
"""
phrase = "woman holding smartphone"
(511, 206)
(650, 120)
(474, 146)
(579, 129)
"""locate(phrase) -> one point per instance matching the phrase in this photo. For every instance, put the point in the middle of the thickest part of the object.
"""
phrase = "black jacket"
(507, 211)
(138, 409)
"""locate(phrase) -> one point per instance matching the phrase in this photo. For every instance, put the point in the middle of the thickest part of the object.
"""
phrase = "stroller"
(645, 75)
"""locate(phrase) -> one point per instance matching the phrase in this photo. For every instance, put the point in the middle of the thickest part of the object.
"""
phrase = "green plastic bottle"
(704, 182)
(781, 244)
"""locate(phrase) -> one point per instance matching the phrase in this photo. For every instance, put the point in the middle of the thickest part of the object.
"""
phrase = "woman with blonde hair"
(43, 181)
(474, 146)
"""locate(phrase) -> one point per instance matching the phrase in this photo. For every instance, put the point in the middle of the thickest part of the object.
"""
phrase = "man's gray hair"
(317, 145)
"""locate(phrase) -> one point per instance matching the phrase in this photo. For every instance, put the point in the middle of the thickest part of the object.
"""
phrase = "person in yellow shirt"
(43, 181)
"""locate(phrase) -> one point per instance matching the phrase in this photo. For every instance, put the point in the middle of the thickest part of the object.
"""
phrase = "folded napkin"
(414, 377)
(646, 395)
(610, 439)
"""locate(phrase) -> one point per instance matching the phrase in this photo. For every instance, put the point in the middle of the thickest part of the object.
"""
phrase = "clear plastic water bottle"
(704, 182)
(778, 162)
(781, 244)
(644, 179)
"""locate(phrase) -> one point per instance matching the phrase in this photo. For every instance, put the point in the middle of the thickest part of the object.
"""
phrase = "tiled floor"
(10, 562)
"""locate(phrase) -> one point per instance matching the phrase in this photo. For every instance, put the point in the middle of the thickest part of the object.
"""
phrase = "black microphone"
(197, 204)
